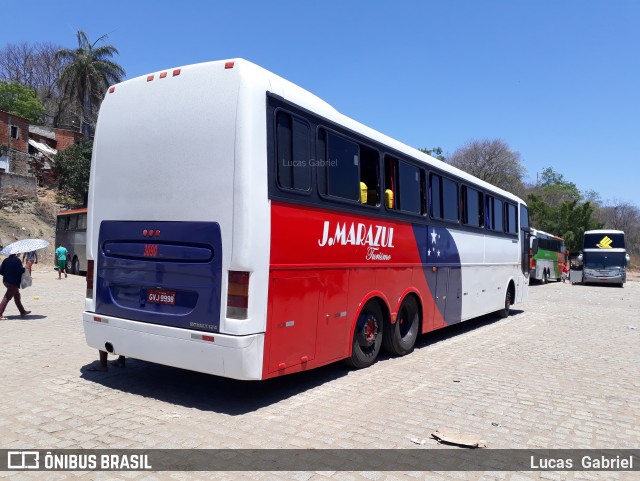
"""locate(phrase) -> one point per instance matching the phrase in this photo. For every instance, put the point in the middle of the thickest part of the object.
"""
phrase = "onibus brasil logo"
(605, 243)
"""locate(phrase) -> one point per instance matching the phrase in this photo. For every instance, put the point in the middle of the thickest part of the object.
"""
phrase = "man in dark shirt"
(11, 271)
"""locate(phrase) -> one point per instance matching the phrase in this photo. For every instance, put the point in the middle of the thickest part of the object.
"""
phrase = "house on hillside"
(27, 155)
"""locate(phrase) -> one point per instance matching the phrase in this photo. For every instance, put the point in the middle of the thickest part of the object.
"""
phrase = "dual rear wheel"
(373, 331)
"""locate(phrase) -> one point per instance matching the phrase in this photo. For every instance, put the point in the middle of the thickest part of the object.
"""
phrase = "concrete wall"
(16, 187)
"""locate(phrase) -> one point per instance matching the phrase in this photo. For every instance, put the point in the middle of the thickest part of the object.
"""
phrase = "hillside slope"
(31, 220)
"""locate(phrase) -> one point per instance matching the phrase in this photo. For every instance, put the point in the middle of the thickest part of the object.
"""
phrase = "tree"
(37, 67)
(88, 74)
(623, 216)
(555, 189)
(20, 100)
(435, 152)
(74, 165)
(569, 220)
(492, 161)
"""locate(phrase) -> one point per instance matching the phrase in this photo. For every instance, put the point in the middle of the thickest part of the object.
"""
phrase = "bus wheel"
(400, 337)
(508, 300)
(367, 337)
(76, 266)
(69, 265)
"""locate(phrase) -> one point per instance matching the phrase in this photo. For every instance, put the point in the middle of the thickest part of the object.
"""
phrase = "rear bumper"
(237, 357)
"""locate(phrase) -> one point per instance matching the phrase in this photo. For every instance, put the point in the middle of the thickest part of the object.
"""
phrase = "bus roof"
(604, 231)
(73, 211)
(254, 76)
(537, 232)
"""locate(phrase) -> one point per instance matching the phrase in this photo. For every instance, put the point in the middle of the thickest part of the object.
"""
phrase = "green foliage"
(435, 152)
(88, 73)
(568, 220)
(74, 165)
(20, 100)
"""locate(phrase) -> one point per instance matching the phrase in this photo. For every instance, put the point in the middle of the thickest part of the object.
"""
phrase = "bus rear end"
(164, 283)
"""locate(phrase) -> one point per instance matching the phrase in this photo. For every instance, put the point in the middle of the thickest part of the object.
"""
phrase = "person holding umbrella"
(11, 270)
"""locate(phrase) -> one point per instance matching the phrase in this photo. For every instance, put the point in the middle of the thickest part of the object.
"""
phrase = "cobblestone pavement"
(562, 372)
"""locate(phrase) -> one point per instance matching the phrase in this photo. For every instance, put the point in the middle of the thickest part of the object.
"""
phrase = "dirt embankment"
(31, 220)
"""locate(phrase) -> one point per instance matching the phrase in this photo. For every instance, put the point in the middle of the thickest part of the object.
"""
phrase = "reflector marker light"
(229, 65)
(176, 72)
(112, 89)
(163, 74)
(97, 319)
(157, 232)
(144, 233)
(149, 78)
(207, 338)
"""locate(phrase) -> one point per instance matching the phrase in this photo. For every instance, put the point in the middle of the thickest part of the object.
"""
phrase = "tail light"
(238, 295)
(89, 279)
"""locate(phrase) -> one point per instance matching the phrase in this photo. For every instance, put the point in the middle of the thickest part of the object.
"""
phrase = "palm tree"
(88, 74)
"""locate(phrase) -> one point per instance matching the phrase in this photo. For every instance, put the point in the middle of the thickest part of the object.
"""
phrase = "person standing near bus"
(11, 270)
(61, 260)
(31, 258)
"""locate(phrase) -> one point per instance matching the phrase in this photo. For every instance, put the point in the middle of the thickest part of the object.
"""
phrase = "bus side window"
(472, 210)
(511, 224)
(343, 168)
(409, 198)
(72, 224)
(435, 197)
(293, 153)
(370, 175)
(390, 182)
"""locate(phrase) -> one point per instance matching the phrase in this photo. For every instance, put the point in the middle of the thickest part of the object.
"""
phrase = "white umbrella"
(24, 245)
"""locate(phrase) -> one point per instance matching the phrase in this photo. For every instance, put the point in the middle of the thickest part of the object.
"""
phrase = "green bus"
(548, 255)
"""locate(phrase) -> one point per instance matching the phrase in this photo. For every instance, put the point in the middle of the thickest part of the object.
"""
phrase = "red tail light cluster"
(238, 295)
(89, 294)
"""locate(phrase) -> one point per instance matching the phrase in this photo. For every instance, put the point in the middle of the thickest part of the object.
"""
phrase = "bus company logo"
(373, 237)
(605, 243)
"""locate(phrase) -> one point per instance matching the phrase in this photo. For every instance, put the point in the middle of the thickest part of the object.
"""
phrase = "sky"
(558, 81)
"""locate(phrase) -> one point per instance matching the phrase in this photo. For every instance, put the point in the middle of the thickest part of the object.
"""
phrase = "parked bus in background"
(548, 255)
(604, 257)
(71, 232)
(241, 226)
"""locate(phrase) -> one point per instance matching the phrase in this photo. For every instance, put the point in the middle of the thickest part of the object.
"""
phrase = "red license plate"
(159, 296)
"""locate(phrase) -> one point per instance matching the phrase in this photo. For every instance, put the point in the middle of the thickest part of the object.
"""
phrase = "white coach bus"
(241, 226)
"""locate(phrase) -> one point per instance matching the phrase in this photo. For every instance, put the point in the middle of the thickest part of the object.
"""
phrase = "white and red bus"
(241, 226)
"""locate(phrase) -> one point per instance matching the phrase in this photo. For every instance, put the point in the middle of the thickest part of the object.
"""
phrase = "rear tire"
(545, 277)
(69, 265)
(76, 267)
(400, 338)
(367, 337)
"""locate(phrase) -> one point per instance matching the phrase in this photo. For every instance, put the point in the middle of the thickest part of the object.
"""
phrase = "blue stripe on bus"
(438, 249)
